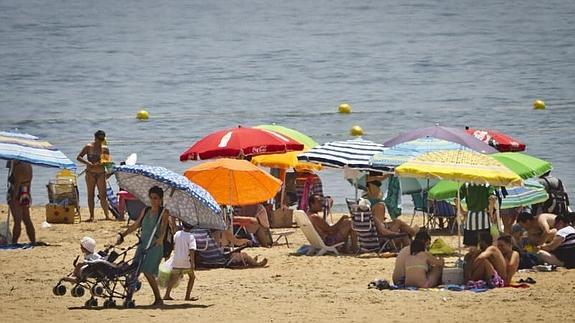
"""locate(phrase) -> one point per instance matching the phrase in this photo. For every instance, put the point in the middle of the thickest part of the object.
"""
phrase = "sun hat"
(88, 243)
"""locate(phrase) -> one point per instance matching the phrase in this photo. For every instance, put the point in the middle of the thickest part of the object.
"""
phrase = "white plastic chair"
(312, 236)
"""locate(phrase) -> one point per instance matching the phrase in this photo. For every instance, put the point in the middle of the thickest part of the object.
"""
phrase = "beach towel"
(16, 246)
(392, 199)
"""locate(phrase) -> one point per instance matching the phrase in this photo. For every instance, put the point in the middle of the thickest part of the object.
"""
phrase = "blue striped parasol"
(32, 150)
(184, 199)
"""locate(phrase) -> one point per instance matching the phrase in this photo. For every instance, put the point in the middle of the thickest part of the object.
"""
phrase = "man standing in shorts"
(477, 220)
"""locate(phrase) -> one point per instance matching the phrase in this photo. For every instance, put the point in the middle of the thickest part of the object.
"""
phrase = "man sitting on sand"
(561, 250)
(341, 231)
(512, 258)
(486, 264)
(540, 228)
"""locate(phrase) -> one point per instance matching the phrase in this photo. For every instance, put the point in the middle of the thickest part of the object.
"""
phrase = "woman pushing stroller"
(150, 259)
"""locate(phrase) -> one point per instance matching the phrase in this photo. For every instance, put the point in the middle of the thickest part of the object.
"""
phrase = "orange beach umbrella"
(234, 182)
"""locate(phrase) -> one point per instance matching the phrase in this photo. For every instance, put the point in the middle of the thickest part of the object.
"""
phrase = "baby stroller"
(113, 277)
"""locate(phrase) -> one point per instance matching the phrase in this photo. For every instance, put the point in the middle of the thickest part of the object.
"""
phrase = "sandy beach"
(292, 288)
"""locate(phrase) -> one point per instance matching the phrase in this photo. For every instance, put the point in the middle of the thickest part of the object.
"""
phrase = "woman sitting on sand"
(422, 269)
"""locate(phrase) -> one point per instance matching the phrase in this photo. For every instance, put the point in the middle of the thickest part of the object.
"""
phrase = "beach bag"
(440, 247)
(164, 272)
(527, 260)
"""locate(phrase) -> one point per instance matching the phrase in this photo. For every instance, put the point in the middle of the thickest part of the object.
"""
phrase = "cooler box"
(452, 276)
(60, 214)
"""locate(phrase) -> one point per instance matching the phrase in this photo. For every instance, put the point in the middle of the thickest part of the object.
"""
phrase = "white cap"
(88, 243)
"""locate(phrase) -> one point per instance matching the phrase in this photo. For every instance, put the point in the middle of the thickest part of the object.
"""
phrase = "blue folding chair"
(442, 210)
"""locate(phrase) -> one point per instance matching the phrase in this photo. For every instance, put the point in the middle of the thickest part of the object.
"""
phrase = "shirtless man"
(505, 245)
(540, 228)
(487, 263)
(341, 231)
(19, 199)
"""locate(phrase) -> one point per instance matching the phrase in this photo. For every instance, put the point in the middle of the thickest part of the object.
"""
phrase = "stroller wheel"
(77, 291)
(92, 302)
(129, 303)
(59, 290)
(97, 290)
(109, 303)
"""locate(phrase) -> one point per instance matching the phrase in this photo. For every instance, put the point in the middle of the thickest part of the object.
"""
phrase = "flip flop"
(528, 280)
(521, 285)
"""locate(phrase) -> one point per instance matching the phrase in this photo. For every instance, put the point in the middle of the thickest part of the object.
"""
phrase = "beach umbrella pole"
(9, 209)
(459, 262)
(283, 179)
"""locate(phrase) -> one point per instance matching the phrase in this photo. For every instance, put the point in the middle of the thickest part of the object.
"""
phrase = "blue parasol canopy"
(32, 150)
(184, 199)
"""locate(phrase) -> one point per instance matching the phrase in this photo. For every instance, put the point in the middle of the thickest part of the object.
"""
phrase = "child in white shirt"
(183, 262)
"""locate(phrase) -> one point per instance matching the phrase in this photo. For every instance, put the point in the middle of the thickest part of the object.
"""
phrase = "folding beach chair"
(419, 204)
(113, 203)
(369, 239)
(312, 236)
(442, 210)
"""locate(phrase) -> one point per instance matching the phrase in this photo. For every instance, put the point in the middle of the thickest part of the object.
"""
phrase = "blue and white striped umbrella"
(32, 150)
(532, 193)
(353, 154)
(394, 156)
(184, 199)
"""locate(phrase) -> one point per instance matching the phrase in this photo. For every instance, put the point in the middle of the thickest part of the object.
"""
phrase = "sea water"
(69, 68)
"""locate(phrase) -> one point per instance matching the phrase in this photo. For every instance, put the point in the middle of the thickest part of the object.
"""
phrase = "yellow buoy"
(344, 108)
(538, 105)
(142, 115)
(356, 131)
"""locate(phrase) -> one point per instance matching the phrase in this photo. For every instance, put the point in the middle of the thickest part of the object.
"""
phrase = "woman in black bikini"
(95, 171)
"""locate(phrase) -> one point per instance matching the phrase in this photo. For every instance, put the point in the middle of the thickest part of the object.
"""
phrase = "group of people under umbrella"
(436, 155)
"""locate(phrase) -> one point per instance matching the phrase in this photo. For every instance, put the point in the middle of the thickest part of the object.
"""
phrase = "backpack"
(558, 201)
